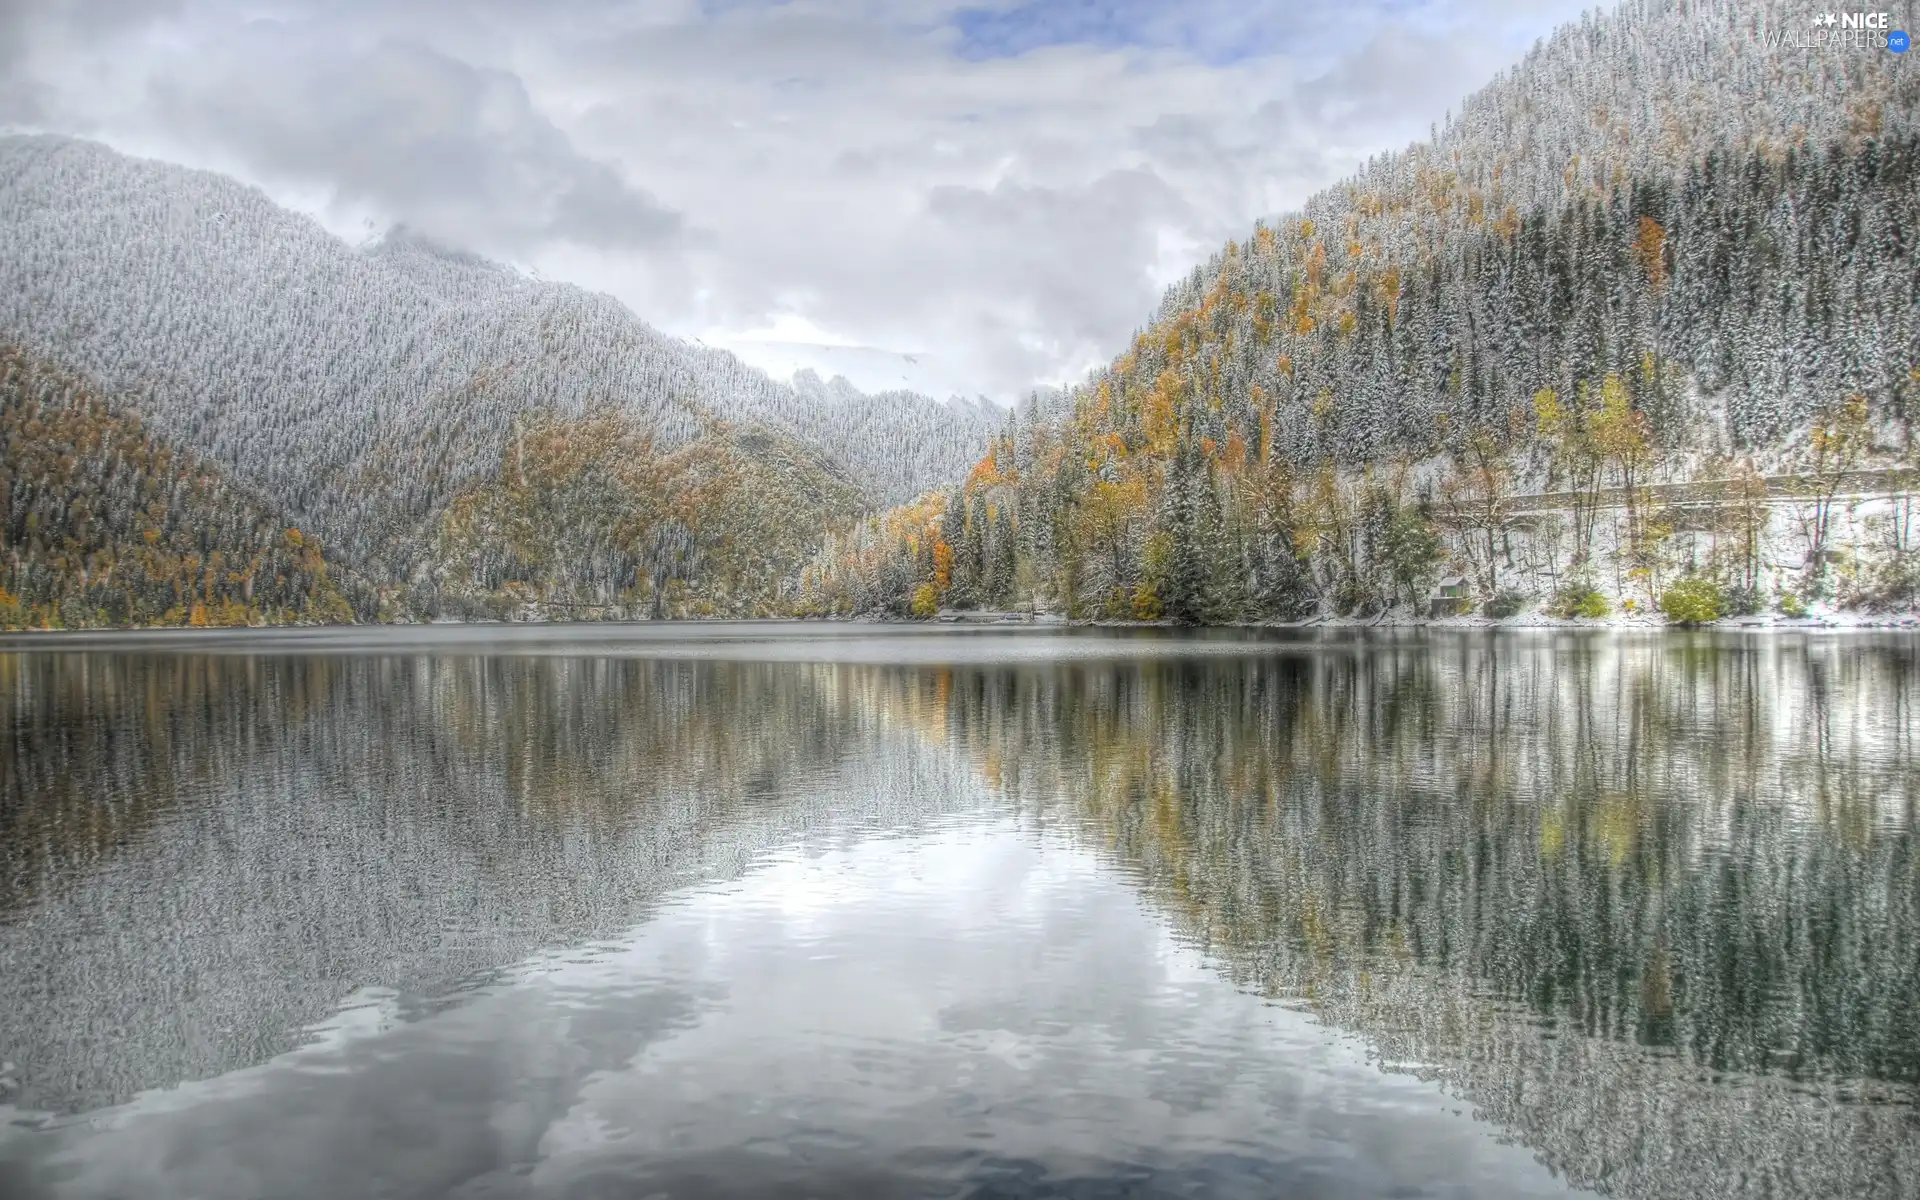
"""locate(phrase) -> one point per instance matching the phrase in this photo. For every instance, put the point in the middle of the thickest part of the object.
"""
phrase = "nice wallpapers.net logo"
(1840, 31)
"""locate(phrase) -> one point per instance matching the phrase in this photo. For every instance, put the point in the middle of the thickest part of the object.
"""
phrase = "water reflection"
(866, 1021)
(203, 854)
(1650, 907)
(1653, 906)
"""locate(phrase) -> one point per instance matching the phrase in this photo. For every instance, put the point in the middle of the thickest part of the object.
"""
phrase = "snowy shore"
(1406, 619)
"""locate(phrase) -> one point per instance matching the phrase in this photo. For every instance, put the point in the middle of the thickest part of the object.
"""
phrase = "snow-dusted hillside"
(1659, 181)
(362, 388)
(1674, 243)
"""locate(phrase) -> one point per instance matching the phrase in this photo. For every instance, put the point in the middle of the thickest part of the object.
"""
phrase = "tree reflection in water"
(1651, 905)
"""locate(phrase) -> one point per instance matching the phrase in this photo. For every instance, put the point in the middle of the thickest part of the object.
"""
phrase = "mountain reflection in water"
(793, 912)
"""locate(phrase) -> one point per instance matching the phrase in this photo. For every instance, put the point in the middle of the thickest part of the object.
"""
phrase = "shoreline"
(1765, 623)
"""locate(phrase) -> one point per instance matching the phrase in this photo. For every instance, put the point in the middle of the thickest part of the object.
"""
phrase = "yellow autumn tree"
(1649, 246)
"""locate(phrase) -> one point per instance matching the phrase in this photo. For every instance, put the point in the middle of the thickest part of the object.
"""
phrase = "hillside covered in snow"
(364, 391)
(1674, 243)
(1643, 314)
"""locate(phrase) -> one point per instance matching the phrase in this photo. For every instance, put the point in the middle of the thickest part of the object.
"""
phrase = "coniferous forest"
(467, 442)
(1639, 329)
(1636, 331)
(107, 525)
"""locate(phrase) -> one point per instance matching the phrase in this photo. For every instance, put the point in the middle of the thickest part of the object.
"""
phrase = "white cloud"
(884, 178)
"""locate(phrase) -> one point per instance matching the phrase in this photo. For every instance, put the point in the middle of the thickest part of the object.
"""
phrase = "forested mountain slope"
(103, 524)
(1658, 182)
(364, 389)
(588, 517)
(897, 458)
(1660, 244)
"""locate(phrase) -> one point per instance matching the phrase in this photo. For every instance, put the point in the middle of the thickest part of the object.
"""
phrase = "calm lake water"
(743, 911)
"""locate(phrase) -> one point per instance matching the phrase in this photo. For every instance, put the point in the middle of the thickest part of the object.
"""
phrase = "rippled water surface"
(749, 910)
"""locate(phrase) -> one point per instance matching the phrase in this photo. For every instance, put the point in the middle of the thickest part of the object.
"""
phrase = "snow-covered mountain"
(362, 388)
(1676, 236)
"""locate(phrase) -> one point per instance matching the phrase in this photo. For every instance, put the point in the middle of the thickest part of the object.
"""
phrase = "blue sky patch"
(1215, 31)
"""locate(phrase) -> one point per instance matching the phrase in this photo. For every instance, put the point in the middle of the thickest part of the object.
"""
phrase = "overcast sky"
(957, 197)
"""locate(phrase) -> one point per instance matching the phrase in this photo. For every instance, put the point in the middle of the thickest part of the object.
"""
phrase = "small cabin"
(1450, 597)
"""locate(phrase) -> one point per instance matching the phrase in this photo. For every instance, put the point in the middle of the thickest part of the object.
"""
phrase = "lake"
(823, 910)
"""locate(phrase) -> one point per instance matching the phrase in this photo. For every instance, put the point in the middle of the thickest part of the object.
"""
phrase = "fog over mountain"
(998, 190)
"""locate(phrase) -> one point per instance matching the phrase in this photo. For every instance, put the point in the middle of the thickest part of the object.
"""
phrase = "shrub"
(926, 601)
(1579, 600)
(1146, 603)
(1791, 606)
(1895, 585)
(1692, 602)
(1742, 601)
(1505, 603)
